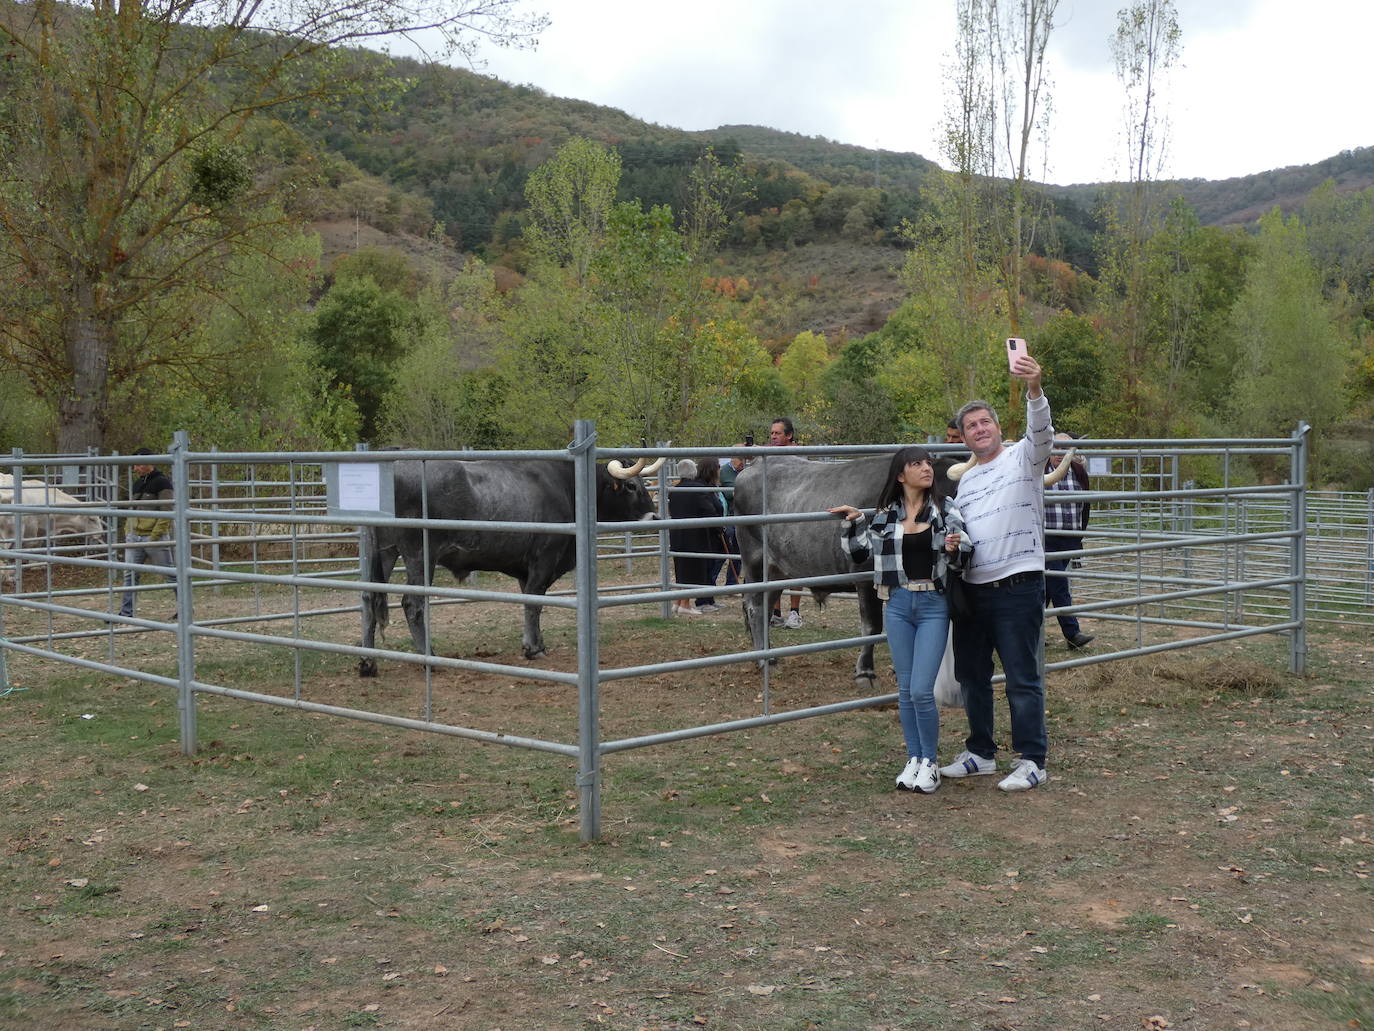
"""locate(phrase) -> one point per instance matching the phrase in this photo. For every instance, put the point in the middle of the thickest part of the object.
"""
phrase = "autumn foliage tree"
(126, 182)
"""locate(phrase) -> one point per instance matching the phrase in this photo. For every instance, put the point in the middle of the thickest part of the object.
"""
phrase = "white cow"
(40, 530)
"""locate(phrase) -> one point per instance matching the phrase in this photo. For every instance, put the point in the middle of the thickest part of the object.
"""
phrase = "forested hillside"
(410, 253)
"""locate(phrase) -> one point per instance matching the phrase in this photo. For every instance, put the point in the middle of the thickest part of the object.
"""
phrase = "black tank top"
(916, 556)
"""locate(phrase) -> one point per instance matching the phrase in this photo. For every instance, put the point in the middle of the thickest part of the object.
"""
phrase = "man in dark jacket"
(149, 531)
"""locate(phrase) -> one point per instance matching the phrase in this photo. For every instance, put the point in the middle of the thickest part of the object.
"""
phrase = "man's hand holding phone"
(1023, 366)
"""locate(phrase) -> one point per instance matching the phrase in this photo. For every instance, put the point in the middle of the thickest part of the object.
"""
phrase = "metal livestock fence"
(273, 562)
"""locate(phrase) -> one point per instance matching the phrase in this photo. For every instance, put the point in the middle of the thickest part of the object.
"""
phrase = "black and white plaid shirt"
(1060, 514)
(883, 541)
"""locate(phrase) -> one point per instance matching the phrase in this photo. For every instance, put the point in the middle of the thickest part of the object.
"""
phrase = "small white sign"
(360, 487)
(1099, 466)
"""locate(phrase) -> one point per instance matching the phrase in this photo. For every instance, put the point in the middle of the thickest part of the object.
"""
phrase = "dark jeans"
(1009, 620)
(1057, 587)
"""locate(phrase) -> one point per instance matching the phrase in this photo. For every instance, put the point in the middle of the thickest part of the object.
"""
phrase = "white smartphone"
(1015, 347)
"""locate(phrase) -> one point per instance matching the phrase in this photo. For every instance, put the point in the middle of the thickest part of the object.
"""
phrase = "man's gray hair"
(974, 406)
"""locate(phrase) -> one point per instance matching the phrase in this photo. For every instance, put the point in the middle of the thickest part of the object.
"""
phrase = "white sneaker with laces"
(906, 780)
(793, 620)
(927, 777)
(969, 765)
(1025, 774)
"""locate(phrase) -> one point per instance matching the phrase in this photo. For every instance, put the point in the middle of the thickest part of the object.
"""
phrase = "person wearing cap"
(915, 538)
(149, 531)
(692, 567)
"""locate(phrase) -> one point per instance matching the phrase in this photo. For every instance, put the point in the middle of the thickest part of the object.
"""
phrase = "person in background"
(915, 536)
(953, 435)
(729, 469)
(708, 474)
(690, 569)
(783, 434)
(1001, 498)
(1071, 518)
(149, 532)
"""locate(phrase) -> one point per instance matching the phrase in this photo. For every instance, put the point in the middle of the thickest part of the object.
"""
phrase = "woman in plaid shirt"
(915, 537)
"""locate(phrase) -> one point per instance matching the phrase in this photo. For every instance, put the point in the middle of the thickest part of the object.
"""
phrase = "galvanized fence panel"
(1179, 565)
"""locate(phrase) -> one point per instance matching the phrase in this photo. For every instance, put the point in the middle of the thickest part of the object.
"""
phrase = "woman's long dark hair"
(892, 490)
(708, 471)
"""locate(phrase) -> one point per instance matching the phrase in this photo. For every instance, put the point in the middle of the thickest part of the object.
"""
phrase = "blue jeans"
(917, 626)
(1009, 620)
(1057, 587)
(141, 551)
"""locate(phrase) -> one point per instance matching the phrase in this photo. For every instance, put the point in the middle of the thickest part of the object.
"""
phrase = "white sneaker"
(1024, 776)
(969, 765)
(927, 777)
(793, 620)
(906, 780)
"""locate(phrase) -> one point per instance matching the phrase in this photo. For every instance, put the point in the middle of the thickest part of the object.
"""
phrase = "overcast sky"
(1260, 84)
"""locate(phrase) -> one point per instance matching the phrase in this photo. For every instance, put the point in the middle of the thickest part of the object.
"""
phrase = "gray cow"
(809, 548)
(495, 491)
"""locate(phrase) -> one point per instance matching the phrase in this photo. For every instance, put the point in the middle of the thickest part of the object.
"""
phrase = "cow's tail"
(374, 601)
(377, 572)
(374, 606)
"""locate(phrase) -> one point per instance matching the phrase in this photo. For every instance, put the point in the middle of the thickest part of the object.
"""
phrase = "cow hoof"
(367, 667)
(535, 655)
(870, 676)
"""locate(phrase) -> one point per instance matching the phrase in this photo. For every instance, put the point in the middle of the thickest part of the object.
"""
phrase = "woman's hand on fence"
(846, 511)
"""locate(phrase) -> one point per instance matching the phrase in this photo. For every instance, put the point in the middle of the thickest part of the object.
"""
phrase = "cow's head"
(622, 495)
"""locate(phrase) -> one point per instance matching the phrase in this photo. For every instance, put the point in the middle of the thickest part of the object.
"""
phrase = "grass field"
(1200, 858)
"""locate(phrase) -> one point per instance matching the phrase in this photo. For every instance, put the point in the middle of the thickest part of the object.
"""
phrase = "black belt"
(1011, 581)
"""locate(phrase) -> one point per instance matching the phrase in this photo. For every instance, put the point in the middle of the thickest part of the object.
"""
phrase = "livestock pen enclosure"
(1199, 858)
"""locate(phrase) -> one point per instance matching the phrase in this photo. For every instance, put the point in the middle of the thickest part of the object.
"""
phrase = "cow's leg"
(871, 620)
(757, 606)
(416, 606)
(532, 639)
(374, 606)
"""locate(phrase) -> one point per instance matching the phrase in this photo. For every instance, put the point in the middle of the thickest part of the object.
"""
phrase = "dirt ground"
(1199, 859)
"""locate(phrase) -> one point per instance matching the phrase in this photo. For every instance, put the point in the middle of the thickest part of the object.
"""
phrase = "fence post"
(665, 566)
(364, 564)
(1298, 479)
(1369, 547)
(583, 450)
(181, 555)
(17, 524)
(214, 523)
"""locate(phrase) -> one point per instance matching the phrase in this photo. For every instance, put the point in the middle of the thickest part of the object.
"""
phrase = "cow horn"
(638, 469)
(959, 468)
(1059, 471)
(621, 473)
